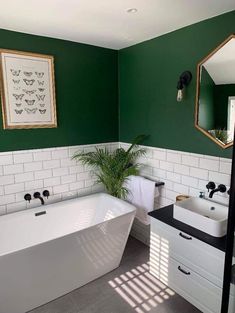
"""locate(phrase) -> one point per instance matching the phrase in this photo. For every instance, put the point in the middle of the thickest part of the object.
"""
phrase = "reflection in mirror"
(215, 102)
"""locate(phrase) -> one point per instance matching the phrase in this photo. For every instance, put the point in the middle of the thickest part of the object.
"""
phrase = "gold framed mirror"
(215, 94)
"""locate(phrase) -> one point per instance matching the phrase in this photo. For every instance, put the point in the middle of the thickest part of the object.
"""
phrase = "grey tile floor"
(128, 289)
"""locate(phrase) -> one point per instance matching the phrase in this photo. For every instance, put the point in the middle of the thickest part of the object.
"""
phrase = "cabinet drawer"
(166, 241)
(194, 288)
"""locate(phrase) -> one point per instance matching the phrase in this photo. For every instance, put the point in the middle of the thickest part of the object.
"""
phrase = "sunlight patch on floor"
(141, 290)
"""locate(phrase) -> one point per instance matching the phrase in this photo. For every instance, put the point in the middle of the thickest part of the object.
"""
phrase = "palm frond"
(136, 141)
(112, 169)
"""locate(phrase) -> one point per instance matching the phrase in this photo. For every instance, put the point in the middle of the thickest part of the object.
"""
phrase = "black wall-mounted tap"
(210, 186)
(37, 195)
(221, 188)
(28, 197)
(46, 193)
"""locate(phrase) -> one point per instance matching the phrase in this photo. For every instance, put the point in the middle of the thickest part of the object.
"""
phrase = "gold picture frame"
(27, 84)
(196, 113)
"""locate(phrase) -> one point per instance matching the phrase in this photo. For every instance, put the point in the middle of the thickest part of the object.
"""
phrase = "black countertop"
(165, 215)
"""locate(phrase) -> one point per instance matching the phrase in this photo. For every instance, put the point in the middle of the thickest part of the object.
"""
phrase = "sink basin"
(205, 215)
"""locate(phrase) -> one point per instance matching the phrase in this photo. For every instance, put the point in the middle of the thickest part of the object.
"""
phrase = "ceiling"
(106, 23)
(221, 65)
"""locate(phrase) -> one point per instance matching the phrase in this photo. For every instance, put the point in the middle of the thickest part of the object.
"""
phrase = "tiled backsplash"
(183, 173)
(28, 171)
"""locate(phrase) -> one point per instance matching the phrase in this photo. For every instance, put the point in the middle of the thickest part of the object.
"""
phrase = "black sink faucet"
(210, 186)
(220, 188)
(37, 195)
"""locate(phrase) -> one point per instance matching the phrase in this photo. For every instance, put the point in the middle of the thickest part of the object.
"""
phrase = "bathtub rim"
(133, 211)
(51, 205)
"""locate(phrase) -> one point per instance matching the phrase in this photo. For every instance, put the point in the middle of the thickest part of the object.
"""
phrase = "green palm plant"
(222, 135)
(112, 169)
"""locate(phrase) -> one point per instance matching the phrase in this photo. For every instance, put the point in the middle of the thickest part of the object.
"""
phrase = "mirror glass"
(215, 101)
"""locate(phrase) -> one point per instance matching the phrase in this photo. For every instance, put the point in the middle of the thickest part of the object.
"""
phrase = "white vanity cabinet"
(191, 267)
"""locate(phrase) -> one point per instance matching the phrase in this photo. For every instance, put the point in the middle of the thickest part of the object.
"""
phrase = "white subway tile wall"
(183, 173)
(28, 171)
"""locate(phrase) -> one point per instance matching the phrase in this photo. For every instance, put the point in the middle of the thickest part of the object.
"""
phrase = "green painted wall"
(221, 94)
(206, 114)
(148, 74)
(86, 93)
(87, 90)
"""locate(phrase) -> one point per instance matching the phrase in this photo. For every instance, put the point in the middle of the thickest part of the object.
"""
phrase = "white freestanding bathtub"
(49, 251)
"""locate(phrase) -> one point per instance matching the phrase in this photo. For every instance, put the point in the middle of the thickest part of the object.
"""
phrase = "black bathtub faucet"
(37, 195)
(28, 197)
(46, 193)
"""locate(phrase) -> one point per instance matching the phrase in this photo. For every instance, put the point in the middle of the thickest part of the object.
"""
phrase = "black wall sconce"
(184, 80)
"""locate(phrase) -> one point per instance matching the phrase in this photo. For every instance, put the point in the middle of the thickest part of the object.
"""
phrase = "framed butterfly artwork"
(27, 90)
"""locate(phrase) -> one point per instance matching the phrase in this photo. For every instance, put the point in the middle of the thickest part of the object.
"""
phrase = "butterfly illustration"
(39, 74)
(15, 72)
(31, 111)
(42, 105)
(29, 102)
(29, 82)
(18, 97)
(18, 111)
(42, 111)
(18, 104)
(16, 81)
(40, 83)
(29, 92)
(41, 89)
(28, 74)
(40, 97)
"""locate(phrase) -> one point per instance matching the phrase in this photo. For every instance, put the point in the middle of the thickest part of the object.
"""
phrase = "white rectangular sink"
(205, 215)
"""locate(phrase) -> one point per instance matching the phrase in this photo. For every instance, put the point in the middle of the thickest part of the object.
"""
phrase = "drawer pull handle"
(183, 271)
(185, 237)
